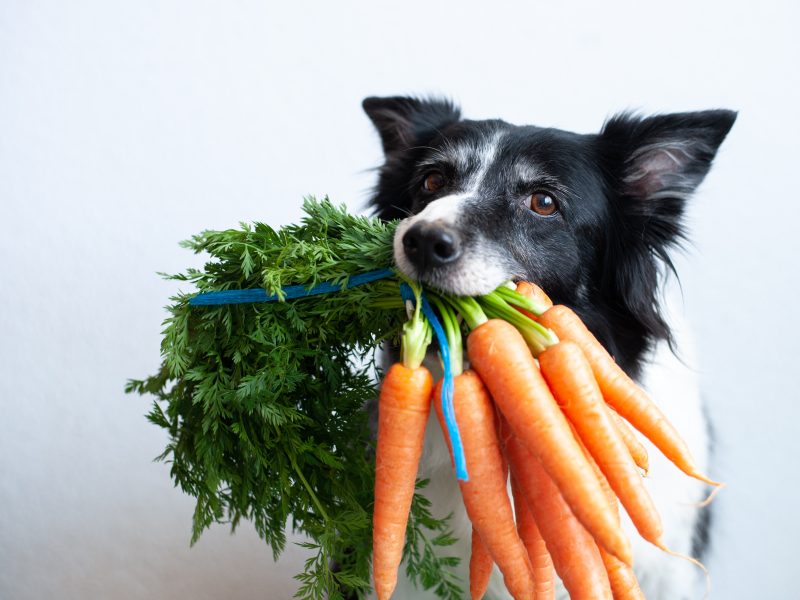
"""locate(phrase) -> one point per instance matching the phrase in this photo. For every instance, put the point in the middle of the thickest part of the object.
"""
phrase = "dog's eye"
(543, 204)
(433, 182)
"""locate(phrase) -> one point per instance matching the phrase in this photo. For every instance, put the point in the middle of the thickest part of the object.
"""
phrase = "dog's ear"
(654, 165)
(665, 154)
(404, 122)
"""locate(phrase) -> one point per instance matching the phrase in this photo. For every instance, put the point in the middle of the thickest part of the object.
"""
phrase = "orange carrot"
(572, 382)
(575, 554)
(635, 447)
(624, 585)
(498, 352)
(627, 398)
(403, 410)
(480, 561)
(534, 292)
(480, 567)
(544, 576)
(485, 494)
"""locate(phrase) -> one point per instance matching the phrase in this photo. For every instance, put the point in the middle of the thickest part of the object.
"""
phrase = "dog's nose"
(430, 245)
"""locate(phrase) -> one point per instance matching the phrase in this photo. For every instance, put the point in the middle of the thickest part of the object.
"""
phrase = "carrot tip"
(692, 471)
(704, 479)
(385, 590)
(692, 560)
(709, 498)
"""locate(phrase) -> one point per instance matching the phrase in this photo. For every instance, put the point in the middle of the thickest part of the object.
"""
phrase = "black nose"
(429, 245)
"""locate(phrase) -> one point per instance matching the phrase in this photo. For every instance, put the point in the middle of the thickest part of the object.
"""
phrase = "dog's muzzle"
(428, 245)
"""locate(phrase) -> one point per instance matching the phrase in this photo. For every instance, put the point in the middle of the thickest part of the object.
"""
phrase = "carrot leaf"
(263, 403)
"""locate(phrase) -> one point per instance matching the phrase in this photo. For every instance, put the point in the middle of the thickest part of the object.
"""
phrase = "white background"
(126, 127)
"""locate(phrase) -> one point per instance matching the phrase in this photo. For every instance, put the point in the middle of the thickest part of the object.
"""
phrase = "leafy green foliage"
(264, 402)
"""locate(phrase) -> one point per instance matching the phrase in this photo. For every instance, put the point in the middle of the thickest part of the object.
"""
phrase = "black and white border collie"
(590, 218)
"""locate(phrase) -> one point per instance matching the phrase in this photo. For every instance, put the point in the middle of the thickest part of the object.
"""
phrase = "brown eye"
(543, 204)
(433, 182)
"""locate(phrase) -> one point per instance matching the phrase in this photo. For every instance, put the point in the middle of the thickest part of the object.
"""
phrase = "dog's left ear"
(657, 162)
(653, 165)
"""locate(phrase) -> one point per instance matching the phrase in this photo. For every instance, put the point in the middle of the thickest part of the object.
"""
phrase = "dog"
(591, 218)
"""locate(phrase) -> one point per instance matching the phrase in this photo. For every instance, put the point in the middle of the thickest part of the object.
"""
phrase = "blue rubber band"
(448, 410)
(299, 291)
(290, 291)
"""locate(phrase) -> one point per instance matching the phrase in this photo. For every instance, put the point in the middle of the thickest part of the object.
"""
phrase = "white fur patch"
(480, 269)
(486, 153)
(445, 209)
(527, 172)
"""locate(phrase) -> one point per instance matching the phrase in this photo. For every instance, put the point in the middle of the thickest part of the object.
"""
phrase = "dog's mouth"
(458, 283)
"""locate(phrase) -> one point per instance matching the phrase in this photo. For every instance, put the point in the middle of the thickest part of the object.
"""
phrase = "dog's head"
(590, 218)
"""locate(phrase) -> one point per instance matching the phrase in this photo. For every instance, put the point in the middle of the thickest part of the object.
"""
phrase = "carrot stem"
(310, 491)
(470, 309)
(417, 333)
(537, 336)
(453, 433)
(514, 298)
(452, 330)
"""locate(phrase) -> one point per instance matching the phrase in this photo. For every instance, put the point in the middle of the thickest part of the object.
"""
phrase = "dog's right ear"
(404, 122)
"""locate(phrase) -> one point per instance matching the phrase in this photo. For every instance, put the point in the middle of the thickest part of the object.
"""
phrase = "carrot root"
(574, 553)
(403, 409)
(710, 498)
(637, 450)
(541, 561)
(485, 494)
(572, 381)
(622, 393)
(480, 567)
(500, 355)
(696, 563)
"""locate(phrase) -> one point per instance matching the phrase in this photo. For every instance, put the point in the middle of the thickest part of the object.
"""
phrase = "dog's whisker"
(403, 210)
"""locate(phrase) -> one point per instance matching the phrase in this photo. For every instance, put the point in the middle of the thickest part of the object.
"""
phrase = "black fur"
(405, 125)
(701, 540)
(621, 196)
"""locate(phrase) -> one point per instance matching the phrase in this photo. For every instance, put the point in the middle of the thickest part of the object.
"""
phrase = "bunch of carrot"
(546, 404)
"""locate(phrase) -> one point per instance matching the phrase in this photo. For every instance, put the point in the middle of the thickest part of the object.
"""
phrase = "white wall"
(125, 127)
